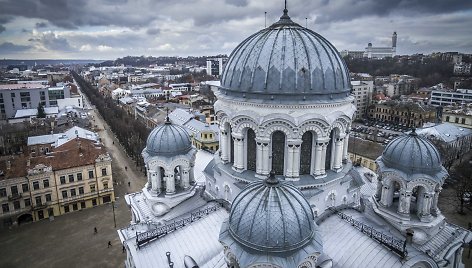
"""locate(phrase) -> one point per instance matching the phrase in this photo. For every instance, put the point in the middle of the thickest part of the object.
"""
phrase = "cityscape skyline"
(106, 29)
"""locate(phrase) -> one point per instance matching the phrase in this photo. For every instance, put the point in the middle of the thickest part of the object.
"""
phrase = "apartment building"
(74, 176)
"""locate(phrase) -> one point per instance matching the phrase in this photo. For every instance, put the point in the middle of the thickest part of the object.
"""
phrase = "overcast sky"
(107, 29)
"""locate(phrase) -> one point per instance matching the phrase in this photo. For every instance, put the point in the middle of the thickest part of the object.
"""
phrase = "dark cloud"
(2, 28)
(153, 31)
(8, 47)
(41, 25)
(345, 10)
(238, 3)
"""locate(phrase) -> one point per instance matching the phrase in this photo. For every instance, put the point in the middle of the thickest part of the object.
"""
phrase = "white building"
(447, 98)
(215, 66)
(291, 117)
(362, 91)
(372, 52)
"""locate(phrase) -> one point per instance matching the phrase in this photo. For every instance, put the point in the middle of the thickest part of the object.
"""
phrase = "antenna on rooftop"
(265, 19)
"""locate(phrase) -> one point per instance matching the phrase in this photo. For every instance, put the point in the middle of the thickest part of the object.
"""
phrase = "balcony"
(41, 206)
(14, 197)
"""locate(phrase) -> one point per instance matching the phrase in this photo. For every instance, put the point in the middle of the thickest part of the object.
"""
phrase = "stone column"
(170, 182)
(385, 193)
(154, 185)
(259, 157)
(224, 146)
(427, 202)
(338, 146)
(404, 202)
(345, 147)
(265, 158)
(434, 207)
(323, 158)
(289, 171)
(318, 158)
(296, 160)
(159, 179)
(378, 193)
(238, 152)
(185, 178)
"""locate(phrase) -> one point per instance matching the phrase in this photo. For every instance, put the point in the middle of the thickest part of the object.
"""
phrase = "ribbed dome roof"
(412, 154)
(169, 140)
(271, 216)
(286, 60)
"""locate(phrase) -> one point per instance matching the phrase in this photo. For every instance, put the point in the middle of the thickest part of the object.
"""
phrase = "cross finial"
(167, 116)
(285, 9)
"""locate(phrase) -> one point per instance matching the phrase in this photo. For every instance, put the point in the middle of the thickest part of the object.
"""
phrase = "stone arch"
(389, 194)
(421, 182)
(184, 163)
(241, 122)
(283, 125)
(330, 198)
(318, 126)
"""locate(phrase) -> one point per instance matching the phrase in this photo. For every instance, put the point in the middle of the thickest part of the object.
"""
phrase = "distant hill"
(6, 62)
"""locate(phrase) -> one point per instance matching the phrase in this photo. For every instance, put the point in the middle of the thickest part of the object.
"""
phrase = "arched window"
(306, 153)
(278, 152)
(251, 149)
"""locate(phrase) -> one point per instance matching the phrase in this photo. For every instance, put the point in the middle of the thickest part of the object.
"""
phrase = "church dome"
(412, 154)
(271, 216)
(286, 60)
(168, 140)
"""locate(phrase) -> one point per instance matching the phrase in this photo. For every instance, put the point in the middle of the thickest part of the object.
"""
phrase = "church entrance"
(306, 152)
(278, 152)
(251, 149)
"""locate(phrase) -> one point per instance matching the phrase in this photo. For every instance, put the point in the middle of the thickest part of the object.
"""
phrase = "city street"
(69, 240)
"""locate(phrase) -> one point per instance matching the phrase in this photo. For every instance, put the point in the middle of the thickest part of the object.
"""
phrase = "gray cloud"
(41, 25)
(2, 28)
(51, 41)
(238, 3)
(153, 31)
(10, 48)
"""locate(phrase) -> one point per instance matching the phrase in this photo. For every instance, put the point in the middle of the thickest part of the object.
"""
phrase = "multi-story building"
(28, 96)
(458, 116)
(446, 98)
(462, 68)
(372, 52)
(74, 176)
(215, 66)
(362, 91)
(409, 114)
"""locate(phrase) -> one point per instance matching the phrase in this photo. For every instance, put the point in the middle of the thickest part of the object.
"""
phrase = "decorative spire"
(285, 15)
(167, 116)
(413, 132)
(272, 180)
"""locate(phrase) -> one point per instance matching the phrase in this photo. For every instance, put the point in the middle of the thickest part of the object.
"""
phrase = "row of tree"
(131, 133)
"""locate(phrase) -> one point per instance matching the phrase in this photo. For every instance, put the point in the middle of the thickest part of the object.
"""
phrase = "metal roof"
(286, 62)
(169, 140)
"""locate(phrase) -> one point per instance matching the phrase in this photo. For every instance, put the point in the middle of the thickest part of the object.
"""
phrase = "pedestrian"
(129, 184)
(109, 244)
(113, 142)
(95, 231)
(126, 168)
(124, 249)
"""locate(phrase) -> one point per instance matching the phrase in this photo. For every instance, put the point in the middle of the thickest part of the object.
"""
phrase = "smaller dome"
(271, 216)
(412, 154)
(168, 140)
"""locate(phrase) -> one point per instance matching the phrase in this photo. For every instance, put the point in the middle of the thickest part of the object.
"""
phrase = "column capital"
(294, 141)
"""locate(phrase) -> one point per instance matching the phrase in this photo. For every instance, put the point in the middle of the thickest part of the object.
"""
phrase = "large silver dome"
(168, 140)
(271, 216)
(286, 60)
(412, 154)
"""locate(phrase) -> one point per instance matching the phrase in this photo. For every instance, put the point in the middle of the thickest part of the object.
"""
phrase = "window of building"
(92, 188)
(35, 185)
(16, 205)
(71, 178)
(457, 120)
(25, 187)
(104, 171)
(63, 179)
(462, 120)
(94, 202)
(82, 205)
(5, 208)
(90, 174)
(14, 190)
(46, 183)
(38, 200)
(106, 199)
(72, 192)
(105, 185)
(3, 192)
(81, 190)
(27, 202)
(64, 194)
(79, 176)
(75, 207)
(48, 197)
(66, 209)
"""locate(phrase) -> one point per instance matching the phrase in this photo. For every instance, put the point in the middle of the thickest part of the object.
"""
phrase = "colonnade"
(292, 151)
(426, 201)
(156, 178)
